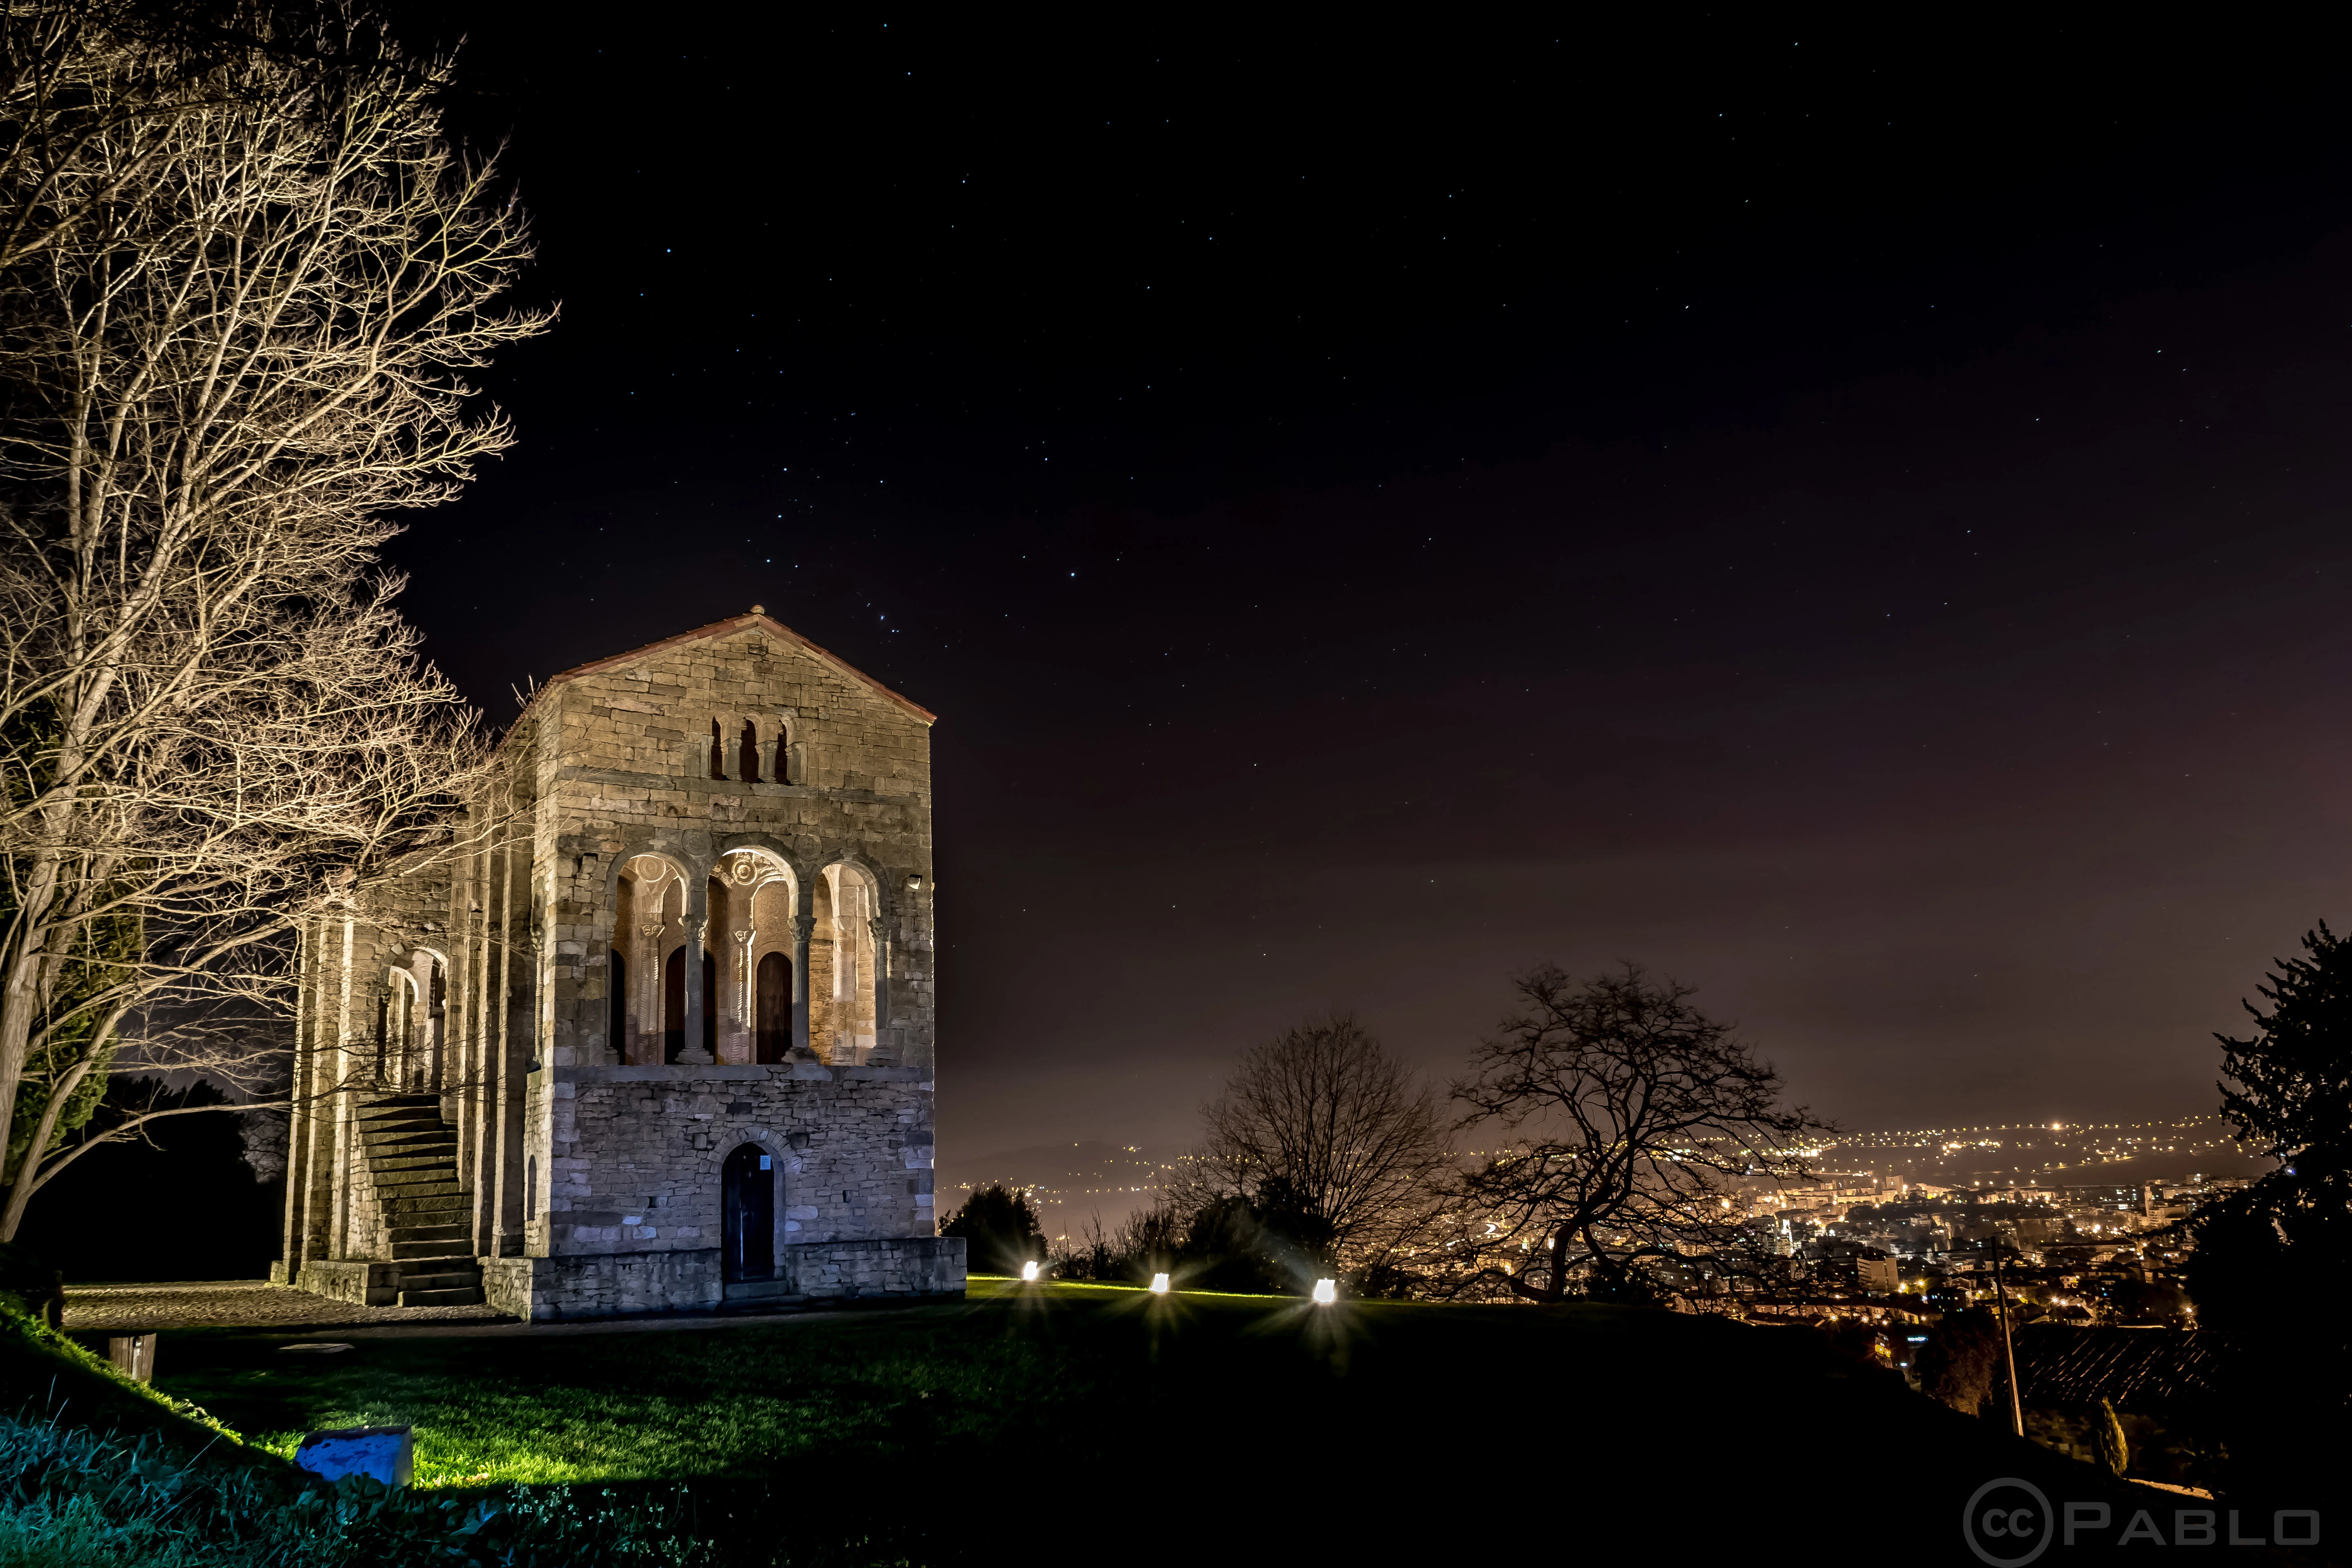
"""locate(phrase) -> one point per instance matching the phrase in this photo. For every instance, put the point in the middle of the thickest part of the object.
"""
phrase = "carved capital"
(804, 928)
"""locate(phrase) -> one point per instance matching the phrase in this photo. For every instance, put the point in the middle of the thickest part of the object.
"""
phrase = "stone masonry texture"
(691, 920)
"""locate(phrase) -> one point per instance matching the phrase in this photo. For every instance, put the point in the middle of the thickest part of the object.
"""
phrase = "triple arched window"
(741, 756)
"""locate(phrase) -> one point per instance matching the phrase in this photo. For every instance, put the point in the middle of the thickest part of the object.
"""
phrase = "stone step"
(756, 1289)
(413, 1202)
(463, 1296)
(466, 1279)
(399, 1113)
(431, 1247)
(397, 1131)
(400, 1101)
(411, 1149)
(408, 1162)
(409, 1184)
(419, 1170)
(417, 1183)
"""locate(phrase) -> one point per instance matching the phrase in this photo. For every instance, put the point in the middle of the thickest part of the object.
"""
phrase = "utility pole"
(2007, 1347)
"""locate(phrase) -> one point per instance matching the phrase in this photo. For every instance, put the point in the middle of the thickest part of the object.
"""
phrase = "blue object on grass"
(386, 1453)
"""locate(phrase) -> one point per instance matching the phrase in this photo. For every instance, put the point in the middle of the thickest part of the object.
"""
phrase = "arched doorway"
(748, 1219)
(773, 995)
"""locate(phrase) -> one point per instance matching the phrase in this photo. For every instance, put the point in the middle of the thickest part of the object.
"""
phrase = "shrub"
(1958, 1363)
(2108, 1434)
(1000, 1230)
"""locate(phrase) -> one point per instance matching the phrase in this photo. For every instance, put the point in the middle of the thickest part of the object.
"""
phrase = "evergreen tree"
(2283, 1238)
(1000, 1230)
(2271, 1257)
(2107, 1433)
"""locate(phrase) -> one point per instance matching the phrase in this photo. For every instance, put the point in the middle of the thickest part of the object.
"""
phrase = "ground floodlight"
(1029, 1270)
(1159, 1284)
(1326, 1292)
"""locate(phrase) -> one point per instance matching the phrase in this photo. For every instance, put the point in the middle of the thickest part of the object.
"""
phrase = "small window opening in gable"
(718, 752)
(751, 752)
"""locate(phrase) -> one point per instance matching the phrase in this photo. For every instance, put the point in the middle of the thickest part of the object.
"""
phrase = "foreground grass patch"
(1031, 1369)
(1378, 1427)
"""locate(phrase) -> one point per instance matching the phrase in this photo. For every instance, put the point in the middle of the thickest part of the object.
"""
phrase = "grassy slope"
(46, 1374)
(1386, 1423)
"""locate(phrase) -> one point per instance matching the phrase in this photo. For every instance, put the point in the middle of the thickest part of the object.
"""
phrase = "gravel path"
(257, 1304)
(239, 1304)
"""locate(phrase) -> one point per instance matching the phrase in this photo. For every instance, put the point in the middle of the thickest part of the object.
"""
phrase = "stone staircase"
(412, 1155)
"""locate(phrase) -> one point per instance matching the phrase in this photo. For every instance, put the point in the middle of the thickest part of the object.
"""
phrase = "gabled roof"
(768, 624)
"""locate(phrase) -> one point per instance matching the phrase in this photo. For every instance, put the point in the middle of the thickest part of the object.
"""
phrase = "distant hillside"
(1074, 1182)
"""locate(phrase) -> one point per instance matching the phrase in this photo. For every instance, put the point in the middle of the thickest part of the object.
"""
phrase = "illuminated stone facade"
(656, 1031)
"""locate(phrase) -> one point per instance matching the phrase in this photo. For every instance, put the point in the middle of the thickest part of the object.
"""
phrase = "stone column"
(697, 1004)
(645, 1007)
(881, 936)
(804, 928)
(746, 936)
(300, 1119)
(339, 1216)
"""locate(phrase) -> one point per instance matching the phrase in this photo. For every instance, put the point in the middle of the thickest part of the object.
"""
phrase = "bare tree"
(242, 340)
(1324, 1125)
(1633, 1120)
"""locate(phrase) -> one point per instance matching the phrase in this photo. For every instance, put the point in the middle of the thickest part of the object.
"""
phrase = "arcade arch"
(845, 963)
(755, 899)
(649, 940)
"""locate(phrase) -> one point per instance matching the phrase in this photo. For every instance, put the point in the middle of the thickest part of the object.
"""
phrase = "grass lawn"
(1103, 1412)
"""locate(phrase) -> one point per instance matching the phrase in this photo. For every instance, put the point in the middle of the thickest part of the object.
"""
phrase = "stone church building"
(654, 1030)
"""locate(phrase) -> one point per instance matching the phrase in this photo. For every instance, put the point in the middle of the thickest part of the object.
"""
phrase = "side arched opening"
(674, 1004)
(772, 988)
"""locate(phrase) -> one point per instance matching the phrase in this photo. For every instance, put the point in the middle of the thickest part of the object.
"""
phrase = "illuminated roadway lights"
(1326, 1292)
(1159, 1284)
(1029, 1271)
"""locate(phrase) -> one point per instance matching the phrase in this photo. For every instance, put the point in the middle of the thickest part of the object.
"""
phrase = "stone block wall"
(597, 1187)
(550, 1289)
(636, 1154)
(543, 1289)
(356, 1280)
(912, 1266)
(624, 770)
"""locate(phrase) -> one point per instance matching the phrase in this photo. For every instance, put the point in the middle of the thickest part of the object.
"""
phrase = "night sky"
(1856, 522)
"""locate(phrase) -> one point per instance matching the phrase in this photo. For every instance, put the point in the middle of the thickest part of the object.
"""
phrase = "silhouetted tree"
(999, 1228)
(1630, 1114)
(1329, 1146)
(2289, 1088)
(2281, 1242)
(1962, 1361)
